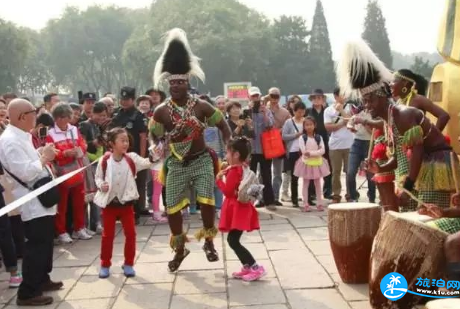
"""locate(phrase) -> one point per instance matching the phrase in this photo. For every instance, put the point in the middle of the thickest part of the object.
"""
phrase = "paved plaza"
(293, 246)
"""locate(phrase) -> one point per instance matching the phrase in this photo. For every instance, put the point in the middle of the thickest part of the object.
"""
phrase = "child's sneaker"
(157, 217)
(15, 281)
(65, 239)
(81, 234)
(320, 208)
(128, 271)
(255, 273)
(104, 272)
(306, 208)
(245, 270)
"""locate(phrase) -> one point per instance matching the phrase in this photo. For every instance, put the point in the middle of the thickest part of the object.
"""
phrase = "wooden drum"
(451, 303)
(406, 246)
(352, 227)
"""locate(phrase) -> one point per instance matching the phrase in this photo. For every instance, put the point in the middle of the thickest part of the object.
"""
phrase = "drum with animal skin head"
(352, 227)
(407, 246)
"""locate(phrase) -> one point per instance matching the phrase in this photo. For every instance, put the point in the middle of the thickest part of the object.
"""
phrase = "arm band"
(215, 118)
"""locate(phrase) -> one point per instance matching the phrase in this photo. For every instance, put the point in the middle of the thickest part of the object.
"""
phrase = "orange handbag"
(272, 144)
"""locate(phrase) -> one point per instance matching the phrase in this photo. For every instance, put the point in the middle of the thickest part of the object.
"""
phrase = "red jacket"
(65, 140)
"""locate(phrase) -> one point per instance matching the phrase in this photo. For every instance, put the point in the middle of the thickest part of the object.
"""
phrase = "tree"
(320, 54)
(35, 76)
(289, 60)
(85, 48)
(232, 40)
(13, 53)
(375, 33)
(422, 67)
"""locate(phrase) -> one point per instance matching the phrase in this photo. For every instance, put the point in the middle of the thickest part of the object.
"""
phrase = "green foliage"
(85, 48)
(375, 33)
(13, 52)
(423, 67)
(289, 54)
(320, 57)
(105, 48)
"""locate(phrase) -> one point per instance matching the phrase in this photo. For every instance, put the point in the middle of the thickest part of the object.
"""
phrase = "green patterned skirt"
(448, 225)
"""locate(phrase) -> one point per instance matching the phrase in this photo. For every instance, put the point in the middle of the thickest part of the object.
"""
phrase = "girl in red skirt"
(237, 217)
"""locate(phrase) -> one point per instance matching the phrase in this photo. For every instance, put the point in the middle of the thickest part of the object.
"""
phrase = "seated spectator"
(71, 149)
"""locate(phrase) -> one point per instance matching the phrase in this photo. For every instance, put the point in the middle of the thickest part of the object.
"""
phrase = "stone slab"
(352, 292)
(204, 301)
(200, 282)
(255, 293)
(151, 273)
(101, 303)
(298, 269)
(144, 296)
(314, 234)
(318, 299)
(320, 247)
(281, 240)
(91, 287)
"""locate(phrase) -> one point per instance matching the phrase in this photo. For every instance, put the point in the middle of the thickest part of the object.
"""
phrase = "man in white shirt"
(340, 141)
(19, 157)
(358, 153)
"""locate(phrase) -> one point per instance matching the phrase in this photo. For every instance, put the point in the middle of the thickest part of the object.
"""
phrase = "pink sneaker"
(306, 208)
(320, 208)
(159, 218)
(255, 274)
(243, 272)
(15, 281)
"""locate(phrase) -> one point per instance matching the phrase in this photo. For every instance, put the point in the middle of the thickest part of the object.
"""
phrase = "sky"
(412, 25)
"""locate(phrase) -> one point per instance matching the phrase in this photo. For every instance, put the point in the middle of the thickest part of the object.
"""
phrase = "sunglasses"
(274, 96)
(35, 112)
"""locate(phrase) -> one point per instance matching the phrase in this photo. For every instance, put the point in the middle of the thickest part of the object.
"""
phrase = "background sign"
(237, 91)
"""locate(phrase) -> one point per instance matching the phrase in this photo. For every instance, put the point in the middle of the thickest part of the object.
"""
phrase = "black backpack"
(317, 138)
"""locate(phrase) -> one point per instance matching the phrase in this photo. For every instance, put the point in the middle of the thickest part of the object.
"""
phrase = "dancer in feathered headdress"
(361, 74)
(177, 62)
(429, 173)
(180, 122)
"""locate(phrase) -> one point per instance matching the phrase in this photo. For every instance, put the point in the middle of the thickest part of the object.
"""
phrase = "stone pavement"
(293, 247)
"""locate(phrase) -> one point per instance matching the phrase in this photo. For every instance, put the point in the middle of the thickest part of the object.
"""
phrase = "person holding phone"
(240, 123)
(262, 119)
(39, 133)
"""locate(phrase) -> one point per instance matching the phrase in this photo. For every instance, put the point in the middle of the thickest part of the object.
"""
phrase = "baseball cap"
(254, 90)
(274, 90)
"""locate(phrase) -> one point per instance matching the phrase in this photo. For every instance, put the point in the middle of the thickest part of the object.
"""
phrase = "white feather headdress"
(360, 71)
(177, 60)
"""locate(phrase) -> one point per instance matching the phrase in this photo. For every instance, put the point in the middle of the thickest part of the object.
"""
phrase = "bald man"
(19, 158)
(108, 101)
